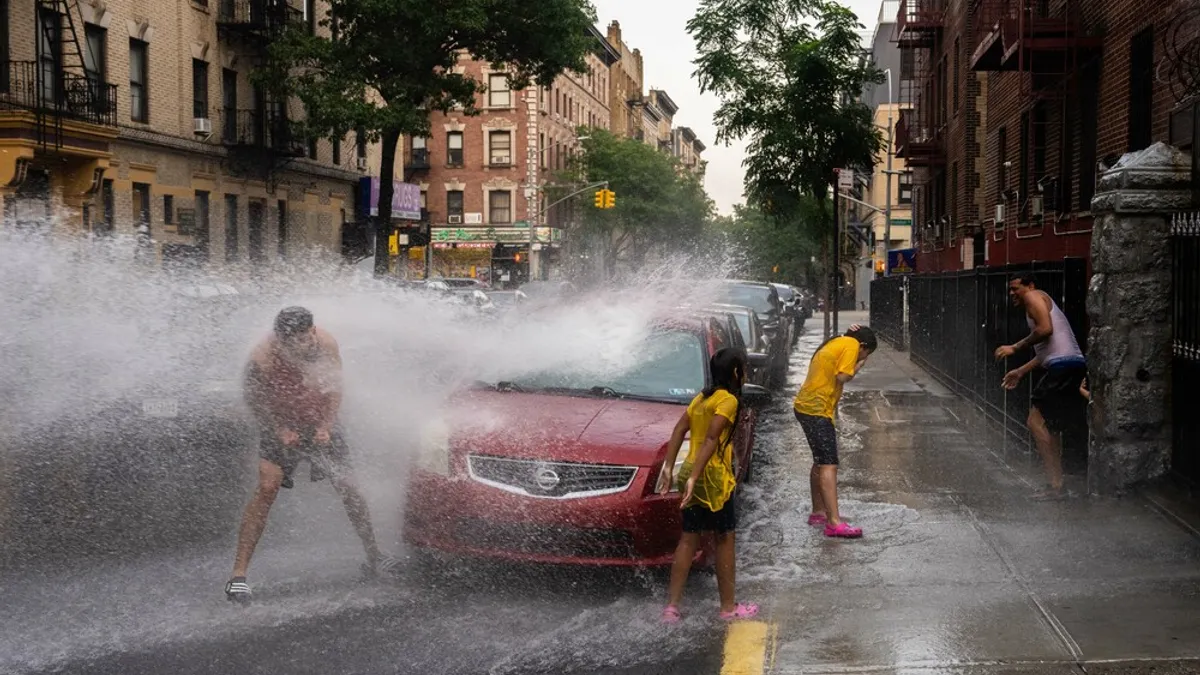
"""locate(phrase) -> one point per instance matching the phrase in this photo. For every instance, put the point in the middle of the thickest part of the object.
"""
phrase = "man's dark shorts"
(1056, 395)
(697, 519)
(822, 438)
(330, 459)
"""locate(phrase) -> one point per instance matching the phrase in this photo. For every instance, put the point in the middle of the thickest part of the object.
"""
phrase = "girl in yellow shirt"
(707, 482)
(835, 363)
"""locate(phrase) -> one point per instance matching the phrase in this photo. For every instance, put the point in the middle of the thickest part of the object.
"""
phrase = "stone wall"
(1129, 357)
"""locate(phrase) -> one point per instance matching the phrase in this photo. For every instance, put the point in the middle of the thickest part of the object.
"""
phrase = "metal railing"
(257, 15)
(1185, 366)
(59, 93)
(957, 319)
(887, 309)
(260, 130)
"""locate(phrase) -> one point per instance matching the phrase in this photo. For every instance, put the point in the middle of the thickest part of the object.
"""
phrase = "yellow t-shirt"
(716, 485)
(821, 391)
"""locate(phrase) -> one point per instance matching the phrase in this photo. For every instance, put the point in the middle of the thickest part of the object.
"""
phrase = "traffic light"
(599, 201)
(516, 257)
(610, 199)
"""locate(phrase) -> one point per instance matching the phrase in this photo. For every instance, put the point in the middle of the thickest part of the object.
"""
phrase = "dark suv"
(763, 298)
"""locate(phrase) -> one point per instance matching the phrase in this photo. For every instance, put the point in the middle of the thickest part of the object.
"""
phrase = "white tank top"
(1062, 344)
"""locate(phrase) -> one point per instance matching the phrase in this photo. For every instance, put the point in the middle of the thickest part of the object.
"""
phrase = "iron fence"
(59, 93)
(1185, 304)
(957, 319)
(887, 309)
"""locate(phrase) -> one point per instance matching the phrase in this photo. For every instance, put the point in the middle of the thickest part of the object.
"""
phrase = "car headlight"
(435, 448)
(680, 458)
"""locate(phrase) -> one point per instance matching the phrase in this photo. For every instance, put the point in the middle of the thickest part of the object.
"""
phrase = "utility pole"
(835, 273)
(887, 216)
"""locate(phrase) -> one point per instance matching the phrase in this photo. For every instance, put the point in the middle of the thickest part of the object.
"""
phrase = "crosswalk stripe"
(746, 648)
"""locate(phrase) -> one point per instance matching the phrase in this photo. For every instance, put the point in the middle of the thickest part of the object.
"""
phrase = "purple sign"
(406, 198)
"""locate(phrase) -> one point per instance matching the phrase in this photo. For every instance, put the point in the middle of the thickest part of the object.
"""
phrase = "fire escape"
(1043, 43)
(919, 136)
(260, 139)
(57, 85)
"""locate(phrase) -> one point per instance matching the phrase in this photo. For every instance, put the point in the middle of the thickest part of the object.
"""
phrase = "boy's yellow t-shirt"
(821, 391)
(714, 488)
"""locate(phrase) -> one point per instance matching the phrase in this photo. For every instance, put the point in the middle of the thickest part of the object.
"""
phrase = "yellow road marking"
(746, 648)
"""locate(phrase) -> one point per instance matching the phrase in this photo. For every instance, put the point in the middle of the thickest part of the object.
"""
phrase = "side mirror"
(755, 396)
(758, 360)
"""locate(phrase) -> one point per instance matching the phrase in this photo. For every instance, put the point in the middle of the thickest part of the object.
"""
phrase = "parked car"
(754, 341)
(763, 298)
(454, 283)
(561, 466)
(505, 300)
(792, 313)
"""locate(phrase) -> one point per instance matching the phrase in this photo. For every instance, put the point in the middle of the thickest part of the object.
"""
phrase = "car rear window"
(757, 298)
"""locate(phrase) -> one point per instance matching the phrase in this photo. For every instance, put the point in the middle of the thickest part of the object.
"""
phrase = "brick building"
(625, 86)
(122, 116)
(1016, 107)
(481, 177)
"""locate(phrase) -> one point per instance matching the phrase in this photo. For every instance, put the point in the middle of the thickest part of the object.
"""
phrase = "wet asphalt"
(959, 572)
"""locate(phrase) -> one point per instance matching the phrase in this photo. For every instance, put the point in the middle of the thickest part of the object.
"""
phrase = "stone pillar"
(1129, 304)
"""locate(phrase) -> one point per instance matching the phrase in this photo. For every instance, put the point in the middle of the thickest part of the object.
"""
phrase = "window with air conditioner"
(454, 207)
(500, 147)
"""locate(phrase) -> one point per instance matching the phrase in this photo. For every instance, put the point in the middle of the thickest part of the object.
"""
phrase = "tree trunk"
(826, 291)
(383, 221)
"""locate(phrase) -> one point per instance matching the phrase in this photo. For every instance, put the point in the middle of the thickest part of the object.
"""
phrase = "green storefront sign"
(495, 235)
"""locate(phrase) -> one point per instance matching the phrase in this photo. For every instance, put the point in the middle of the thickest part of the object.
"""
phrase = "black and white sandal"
(386, 567)
(237, 590)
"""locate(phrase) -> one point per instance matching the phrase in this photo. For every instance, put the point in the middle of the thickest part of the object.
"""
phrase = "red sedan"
(561, 467)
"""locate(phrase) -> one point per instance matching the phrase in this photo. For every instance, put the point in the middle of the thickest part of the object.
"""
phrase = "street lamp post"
(887, 216)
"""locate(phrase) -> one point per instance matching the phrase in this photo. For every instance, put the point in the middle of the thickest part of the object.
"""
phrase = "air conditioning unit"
(454, 219)
(1036, 205)
(503, 160)
(999, 213)
(362, 164)
(474, 219)
(202, 125)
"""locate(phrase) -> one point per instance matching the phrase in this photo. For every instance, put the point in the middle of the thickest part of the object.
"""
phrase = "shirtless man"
(1056, 402)
(293, 386)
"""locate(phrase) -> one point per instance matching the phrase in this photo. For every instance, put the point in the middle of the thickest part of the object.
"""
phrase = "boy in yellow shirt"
(835, 363)
(707, 482)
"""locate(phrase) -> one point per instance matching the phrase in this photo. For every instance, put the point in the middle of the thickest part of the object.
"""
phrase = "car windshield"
(785, 293)
(757, 298)
(669, 367)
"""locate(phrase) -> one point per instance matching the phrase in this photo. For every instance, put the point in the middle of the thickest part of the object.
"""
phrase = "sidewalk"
(959, 572)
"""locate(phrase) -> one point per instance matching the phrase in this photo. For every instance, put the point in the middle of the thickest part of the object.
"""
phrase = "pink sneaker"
(815, 519)
(747, 610)
(843, 531)
(670, 614)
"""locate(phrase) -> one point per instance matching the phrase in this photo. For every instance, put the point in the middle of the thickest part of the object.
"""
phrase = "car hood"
(562, 428)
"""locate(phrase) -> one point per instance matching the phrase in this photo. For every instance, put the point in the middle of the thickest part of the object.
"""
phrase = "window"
(337, 151)
(360, 143)
(1039, 144)
(109, 199)
(312, 148)
(954, 195)
(139, 101)
(499, 95)
(199, 88)
(231, 228)
(454, 148)
(1023, 167)
(229, 87)
(168, 210)
(1141, 89)
(454, 203)
(542, 150)
(202, 223)
(49, 50)
(95, 59)
(4, 46)
(499, 207)
(957, 49)
(258, 221)
(906, 190)
(500, 147)
(281, 213)
(1089, 124)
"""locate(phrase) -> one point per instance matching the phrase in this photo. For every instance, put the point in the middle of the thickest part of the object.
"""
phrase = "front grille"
(550, 480)
(536, 539)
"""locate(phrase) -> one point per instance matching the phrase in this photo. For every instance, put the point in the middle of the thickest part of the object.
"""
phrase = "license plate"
(161, 407)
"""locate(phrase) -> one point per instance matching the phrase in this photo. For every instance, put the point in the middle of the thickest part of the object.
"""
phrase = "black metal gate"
(1185, 303)
(957, 319)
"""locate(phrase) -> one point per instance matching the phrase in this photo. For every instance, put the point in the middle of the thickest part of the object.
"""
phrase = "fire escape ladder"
(60, 72)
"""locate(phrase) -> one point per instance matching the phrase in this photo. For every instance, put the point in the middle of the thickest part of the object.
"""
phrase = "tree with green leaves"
(777, 248)
(789, 77)
(659, 206)
(383, 67)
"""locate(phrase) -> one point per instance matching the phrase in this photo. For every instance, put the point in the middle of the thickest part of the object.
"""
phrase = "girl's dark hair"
(727, 367)
(866, 337)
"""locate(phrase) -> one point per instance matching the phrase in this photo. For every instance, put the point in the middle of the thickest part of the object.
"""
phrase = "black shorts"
(699, 518)
(332, 459)
(822, 438)
(1056, 395)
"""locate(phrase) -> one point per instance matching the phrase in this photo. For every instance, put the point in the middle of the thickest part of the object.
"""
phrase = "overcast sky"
(659, 29)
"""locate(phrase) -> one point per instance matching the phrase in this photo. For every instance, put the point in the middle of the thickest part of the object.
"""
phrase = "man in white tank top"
(1057, 404)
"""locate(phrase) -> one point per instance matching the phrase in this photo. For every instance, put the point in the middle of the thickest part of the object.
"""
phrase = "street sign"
(845, 179)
